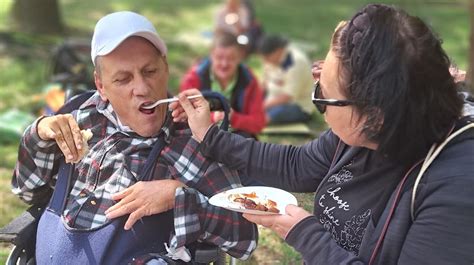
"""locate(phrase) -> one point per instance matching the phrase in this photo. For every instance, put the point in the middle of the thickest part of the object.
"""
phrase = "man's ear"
(100, 86)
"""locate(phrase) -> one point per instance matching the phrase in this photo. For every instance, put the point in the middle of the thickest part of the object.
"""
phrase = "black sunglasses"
(321, 102)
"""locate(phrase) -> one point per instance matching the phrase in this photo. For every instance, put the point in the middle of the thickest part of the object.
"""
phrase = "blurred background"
(32, 33)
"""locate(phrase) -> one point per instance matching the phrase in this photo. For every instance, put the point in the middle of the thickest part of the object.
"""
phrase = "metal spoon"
(167, 100)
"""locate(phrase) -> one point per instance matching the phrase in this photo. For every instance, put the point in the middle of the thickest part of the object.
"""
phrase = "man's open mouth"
(146, 111)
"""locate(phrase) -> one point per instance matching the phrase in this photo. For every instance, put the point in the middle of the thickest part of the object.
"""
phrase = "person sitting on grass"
(225, 73)
(287, 81)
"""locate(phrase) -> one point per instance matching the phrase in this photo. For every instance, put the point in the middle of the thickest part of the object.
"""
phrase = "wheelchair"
(70, 70)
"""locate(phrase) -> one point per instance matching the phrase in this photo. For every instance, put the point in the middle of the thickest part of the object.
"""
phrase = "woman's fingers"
(178, 113)
(198, 113)
(280, 223)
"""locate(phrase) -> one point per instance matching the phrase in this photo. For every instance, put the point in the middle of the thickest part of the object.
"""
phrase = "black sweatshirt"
(363, 183)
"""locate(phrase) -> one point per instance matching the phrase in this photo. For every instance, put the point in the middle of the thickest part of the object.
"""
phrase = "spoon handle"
(173, 99)
(168, 100)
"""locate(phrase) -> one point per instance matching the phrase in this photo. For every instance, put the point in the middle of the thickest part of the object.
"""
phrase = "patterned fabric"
(113, 163)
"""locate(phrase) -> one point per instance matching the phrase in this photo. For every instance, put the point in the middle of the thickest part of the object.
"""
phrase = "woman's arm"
(298, 169)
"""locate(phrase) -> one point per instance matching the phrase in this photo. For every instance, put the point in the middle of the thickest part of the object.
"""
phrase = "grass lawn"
(184, 24)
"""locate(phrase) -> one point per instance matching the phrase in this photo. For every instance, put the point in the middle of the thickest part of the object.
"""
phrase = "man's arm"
(34, 167)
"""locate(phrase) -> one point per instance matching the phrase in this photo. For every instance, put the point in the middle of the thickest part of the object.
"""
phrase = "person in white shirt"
(287, 81)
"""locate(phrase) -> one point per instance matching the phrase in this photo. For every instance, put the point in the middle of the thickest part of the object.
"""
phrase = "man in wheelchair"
(139, 194)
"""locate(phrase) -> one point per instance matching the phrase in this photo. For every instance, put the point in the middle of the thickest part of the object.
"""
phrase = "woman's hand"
(281, 224)
(65, 131)
(197, 112)
(144, 198)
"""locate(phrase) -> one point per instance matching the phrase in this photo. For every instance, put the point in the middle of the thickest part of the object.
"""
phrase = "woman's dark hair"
(394, 67)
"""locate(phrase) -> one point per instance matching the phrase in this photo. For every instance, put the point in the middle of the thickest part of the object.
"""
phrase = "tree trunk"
(37, 16)
(470, 70)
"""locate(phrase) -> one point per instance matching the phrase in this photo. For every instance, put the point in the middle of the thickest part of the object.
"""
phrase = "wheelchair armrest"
(206, 253)
(20, 230)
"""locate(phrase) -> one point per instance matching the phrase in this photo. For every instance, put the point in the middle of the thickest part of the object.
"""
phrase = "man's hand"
(65, 131)
(281, 224)
(144, 198)
(197, 111)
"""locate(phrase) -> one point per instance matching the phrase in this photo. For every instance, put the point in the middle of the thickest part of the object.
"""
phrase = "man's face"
(225, 61)
(133, 75)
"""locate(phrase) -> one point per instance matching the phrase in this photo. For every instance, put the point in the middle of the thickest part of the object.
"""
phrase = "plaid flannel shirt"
(113, 163)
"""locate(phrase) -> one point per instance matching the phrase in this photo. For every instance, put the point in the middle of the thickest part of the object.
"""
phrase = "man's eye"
(121, 80)
(150, 71)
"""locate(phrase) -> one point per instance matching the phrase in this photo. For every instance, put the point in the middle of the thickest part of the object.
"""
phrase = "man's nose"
(141, 86)
(225, 63)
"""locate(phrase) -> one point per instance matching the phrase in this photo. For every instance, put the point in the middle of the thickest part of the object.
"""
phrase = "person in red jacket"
(224, 72)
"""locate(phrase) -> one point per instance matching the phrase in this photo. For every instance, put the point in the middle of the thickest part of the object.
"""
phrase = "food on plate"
(252, 202)
(86, 136)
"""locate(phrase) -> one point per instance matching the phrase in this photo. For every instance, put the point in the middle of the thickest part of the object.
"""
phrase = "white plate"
(281, 197)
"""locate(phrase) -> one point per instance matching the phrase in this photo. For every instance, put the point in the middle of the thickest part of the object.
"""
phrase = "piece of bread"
(86, 136)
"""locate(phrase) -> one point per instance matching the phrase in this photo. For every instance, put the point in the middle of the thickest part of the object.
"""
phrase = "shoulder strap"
(430, 157)
(394, 202)
(149, 167)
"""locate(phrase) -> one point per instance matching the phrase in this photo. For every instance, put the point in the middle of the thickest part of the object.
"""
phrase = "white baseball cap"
(112, 29)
